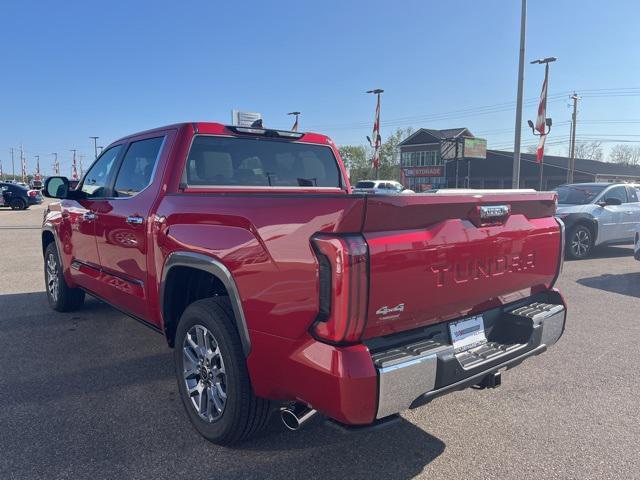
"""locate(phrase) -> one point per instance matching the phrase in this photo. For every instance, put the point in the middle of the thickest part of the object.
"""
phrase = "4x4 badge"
(384, 311)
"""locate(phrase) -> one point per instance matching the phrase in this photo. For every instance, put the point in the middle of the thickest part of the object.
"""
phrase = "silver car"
(380, 187)
(598, 214)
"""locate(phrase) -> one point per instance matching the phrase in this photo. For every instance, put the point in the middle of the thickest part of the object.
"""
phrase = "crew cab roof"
(215, 128)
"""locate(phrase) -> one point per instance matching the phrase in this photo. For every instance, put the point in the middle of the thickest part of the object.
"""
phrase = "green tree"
(357, 158)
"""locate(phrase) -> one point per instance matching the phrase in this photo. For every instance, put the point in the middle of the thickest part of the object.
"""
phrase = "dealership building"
(454, 157)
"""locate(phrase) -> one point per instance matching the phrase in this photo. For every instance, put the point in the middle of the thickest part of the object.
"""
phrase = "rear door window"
(260, 162)
(137, 167)
(617, 192)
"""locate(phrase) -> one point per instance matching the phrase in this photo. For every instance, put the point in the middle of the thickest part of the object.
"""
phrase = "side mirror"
(610, 201)
(56, 187)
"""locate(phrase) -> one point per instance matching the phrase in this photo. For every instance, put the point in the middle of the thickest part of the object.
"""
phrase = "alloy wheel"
(204, 373)
(580, 243)
(52, 277)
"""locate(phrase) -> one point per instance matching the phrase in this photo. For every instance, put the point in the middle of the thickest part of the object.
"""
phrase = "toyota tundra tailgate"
(440, 257)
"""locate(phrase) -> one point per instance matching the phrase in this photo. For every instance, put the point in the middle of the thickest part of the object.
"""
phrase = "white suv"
(598, 214)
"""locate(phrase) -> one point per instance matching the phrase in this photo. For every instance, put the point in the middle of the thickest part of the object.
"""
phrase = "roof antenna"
(257, 124)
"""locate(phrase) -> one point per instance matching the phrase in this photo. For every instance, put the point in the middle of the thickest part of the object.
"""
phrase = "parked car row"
(18, 197)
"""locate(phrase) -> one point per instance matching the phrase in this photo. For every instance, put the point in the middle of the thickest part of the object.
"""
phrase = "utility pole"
(80, 158)
(572, 154)
(13, 164)
(515, 182)
(95, 145)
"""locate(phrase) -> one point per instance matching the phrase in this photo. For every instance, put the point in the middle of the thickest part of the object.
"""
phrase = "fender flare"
(222, 273)
(48, 227)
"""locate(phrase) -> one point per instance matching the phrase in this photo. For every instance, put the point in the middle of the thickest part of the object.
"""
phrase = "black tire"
(61, 297)
(243, 414)
(579, 242)
(18, 204)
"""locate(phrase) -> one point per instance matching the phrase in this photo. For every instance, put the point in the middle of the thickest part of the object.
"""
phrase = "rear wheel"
(212, 374)
(579, 242)
(61, 297)
(18, 204)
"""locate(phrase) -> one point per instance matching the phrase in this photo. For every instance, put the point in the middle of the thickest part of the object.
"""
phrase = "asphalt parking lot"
(92, 394)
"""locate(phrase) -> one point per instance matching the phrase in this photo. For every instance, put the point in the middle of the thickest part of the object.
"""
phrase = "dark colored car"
(17, 197)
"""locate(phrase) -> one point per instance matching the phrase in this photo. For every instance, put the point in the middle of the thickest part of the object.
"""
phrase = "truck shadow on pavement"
(92, 394)
(624, 283)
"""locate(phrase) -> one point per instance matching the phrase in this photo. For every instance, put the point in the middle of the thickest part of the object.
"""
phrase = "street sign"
(244, 119)
(432, 171)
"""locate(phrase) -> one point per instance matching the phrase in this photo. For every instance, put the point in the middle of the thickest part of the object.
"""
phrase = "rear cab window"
(138, 165)
(236, 162)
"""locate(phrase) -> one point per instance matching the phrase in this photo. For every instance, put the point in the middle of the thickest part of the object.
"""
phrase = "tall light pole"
(74, 168)
(515, 182)
(56, 167)
(295, 124)
(13, 164)
(572, 155)
(95, 146)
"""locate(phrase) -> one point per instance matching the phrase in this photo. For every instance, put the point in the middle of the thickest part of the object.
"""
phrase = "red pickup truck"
(279, 289)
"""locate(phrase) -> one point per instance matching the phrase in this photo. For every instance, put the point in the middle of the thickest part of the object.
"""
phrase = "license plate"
(467, 333)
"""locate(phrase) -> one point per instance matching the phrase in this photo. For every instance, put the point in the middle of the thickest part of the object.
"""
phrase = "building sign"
(475, 148)
(433, 171)
(244, 119)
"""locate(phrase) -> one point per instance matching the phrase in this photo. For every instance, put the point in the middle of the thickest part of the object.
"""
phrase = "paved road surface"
(92, 395)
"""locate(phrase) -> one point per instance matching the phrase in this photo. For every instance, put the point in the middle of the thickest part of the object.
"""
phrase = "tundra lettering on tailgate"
(482, 268)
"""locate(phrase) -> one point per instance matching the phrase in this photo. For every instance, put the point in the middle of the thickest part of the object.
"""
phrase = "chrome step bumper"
(412, 374)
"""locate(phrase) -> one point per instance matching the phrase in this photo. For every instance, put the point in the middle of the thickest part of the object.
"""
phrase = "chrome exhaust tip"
(296, 415)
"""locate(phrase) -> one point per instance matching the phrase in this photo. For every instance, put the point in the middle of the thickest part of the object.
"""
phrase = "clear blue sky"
(73, 69)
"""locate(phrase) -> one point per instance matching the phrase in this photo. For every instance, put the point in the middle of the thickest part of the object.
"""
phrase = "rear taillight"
(343, 264)
(33, 193)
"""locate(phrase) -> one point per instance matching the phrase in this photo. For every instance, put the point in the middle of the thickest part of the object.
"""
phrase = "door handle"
(135, 220)
(89, 216)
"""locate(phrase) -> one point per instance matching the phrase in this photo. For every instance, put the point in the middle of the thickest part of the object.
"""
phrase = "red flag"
(540, 149)
(542, 115)
(375, 139)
